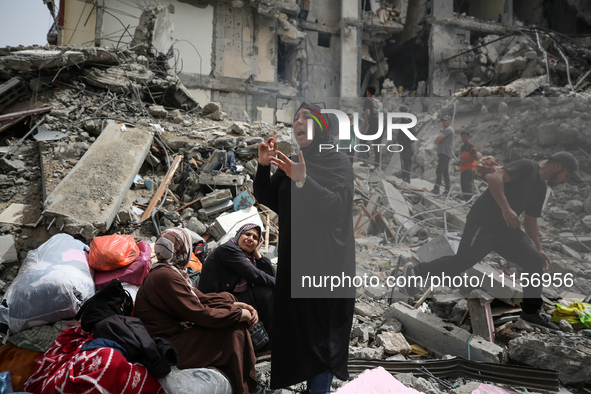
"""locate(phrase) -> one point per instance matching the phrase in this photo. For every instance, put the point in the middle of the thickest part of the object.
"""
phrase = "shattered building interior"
(142, 115)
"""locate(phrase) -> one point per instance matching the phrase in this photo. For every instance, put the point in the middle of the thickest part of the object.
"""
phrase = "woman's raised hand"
(268, 149)
(296, 171)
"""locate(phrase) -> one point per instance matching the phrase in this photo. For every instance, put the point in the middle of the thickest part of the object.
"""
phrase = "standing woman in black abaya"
(313, 195)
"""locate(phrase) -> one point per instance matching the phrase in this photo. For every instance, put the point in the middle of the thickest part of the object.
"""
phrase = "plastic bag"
(195, 380)
(53, 282)
(109, 252)
(5, 383)
(134, 273)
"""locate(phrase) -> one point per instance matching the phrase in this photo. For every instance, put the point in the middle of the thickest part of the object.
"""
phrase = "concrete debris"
(89, 196)
(568, 354)
(7, 250)
(393, 343)
(443, 338)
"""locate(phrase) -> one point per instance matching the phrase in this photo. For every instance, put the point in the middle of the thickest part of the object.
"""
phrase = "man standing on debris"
(312, 194)
(468, 158)
(445, 152)
(493, 224)
(372, 110)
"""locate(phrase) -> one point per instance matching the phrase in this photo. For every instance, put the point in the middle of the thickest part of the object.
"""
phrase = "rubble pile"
(521, 63)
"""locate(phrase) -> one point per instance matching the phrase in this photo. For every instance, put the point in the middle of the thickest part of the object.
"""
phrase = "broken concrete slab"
(221, 179)
(442, 337)
(523, 87)
(393, 343)
(454, 216)
(495, 285)
(14, 214)
(7, 249)
(560, 353)
(440, 246)
(210, 212)
(397, 203)
(366, 353)
(365, 309)
(216, 161)
(87, 200)
(216, 197)
(227, 224)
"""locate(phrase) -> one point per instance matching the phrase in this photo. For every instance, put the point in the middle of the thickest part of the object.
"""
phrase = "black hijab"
(323, 166)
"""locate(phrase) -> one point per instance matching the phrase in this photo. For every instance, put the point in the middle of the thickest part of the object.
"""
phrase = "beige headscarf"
(173, 249)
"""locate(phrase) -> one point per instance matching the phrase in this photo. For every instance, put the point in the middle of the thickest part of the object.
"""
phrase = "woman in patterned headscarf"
(238, 267)
(209, 330)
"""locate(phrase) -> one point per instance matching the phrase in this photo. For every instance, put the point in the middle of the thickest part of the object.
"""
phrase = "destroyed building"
(255, 57)
(138, 118)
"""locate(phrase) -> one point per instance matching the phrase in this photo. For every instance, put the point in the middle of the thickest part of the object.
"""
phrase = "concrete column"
(442, 8)
(508, 13)
(350, 49)
(98, 30)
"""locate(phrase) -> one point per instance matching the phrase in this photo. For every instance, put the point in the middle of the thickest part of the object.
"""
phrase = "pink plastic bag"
(133, 273)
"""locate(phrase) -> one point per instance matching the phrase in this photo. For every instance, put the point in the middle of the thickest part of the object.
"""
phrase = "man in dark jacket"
(493, 224)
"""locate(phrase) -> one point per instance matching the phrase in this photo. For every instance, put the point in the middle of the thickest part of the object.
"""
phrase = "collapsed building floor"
(170, 165)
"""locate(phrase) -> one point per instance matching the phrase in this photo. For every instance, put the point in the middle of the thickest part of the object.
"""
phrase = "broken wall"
(323, 68)
(192, 34)
(245, 44)
(446, 76)
(79, 23)
(487, 10)
(325, 13)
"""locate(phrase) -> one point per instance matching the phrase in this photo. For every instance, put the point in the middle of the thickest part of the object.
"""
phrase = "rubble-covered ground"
(83, 90)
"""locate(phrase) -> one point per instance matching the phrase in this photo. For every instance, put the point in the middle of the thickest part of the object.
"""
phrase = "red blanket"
(66, 368)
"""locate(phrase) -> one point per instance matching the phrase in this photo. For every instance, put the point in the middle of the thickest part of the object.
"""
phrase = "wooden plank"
(188, 204)
(370, 207)
(162, 187)
(392, 233)
(357, 223)
(423, 298)
(20, 114)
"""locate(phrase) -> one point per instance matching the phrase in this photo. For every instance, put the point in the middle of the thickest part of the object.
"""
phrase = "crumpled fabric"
(578, 314)
(40, 338)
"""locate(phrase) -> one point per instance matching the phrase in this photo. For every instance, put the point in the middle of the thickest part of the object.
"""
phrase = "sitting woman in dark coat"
(209, 330)
(238, 267)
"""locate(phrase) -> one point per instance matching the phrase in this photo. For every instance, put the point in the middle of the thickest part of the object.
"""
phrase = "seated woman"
(238, 267)
(208, 330)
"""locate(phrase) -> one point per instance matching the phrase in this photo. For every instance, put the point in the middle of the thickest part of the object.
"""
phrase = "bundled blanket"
(67, 368)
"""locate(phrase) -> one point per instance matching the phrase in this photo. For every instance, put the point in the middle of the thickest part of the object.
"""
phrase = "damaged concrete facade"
(253, 57)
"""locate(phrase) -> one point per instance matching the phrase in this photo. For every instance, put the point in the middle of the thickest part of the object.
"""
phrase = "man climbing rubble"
(493, 224)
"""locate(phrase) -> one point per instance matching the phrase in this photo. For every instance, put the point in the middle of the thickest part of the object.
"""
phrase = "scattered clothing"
(67, 368)
(156, 354)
